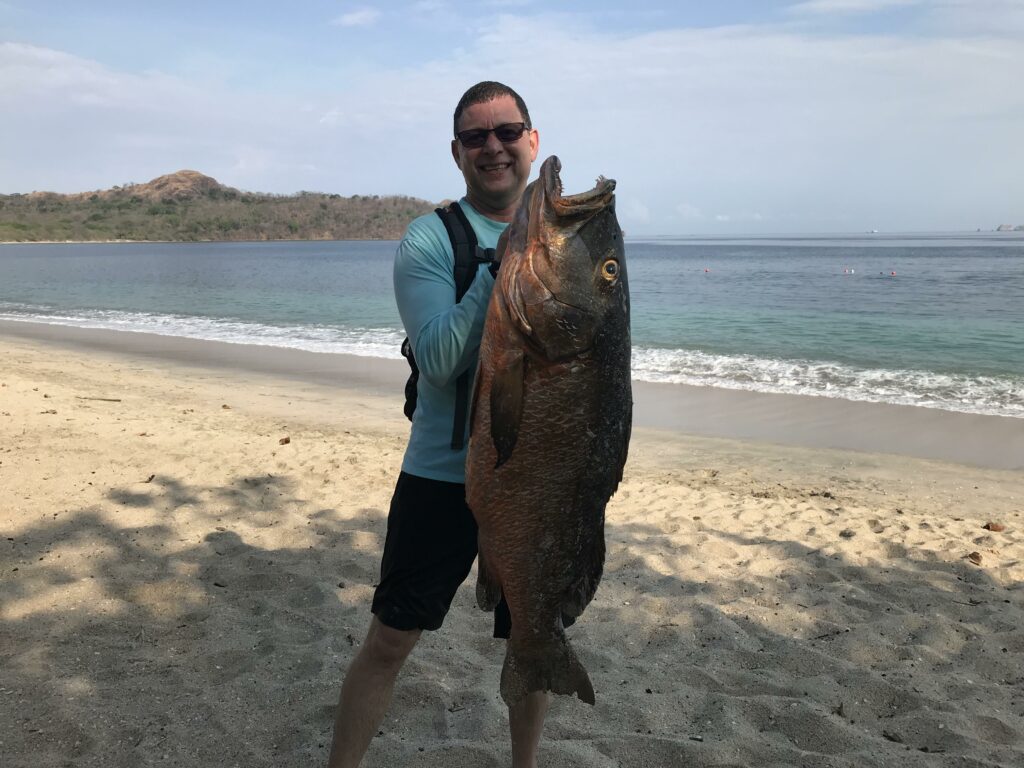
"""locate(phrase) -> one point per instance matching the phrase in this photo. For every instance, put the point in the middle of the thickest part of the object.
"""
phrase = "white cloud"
(331, 117)
(987, 17)
(834, 131)
(689, 212)
(634, 210)
(808, 121)
(100, 126)
(849, 6)
(742, 217)
(361, 17)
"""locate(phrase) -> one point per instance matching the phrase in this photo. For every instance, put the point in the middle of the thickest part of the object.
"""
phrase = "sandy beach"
(191, 535)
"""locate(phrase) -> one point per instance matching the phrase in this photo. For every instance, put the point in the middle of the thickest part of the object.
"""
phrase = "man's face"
(496, 173)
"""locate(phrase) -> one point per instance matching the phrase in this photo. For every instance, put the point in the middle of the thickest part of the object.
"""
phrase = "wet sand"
(790, 420)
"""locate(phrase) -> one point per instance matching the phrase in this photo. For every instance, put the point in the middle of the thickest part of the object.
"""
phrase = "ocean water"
(929, 320)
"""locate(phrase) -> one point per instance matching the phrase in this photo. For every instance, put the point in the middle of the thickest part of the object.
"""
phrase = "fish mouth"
(583, 203)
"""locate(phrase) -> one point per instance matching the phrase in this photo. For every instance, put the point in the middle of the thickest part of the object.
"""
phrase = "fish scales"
(551, 422)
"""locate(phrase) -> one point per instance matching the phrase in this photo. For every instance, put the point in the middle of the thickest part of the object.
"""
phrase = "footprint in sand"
(223, 666)
(295, 628)
(261, 582)
(304, 666)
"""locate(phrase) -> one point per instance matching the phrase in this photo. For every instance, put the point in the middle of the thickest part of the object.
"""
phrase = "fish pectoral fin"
(507, 404)
(488, 588)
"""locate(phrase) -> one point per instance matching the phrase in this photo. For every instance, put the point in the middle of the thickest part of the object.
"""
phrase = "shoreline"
(994, 235)
(796, 421)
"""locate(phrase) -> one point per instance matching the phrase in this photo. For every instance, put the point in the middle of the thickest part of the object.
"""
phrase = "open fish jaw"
(591, 201)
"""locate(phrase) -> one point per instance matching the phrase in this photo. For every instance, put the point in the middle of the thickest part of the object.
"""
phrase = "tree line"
(133, 212)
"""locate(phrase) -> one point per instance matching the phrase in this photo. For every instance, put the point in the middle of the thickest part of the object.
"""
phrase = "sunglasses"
(506, 133)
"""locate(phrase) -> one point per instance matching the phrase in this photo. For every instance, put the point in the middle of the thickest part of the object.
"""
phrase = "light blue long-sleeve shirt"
(445, 336)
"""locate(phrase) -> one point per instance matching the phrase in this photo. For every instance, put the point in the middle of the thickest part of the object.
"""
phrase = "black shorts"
(428, 553)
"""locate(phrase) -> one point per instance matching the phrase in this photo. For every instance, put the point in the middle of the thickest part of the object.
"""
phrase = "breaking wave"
(996, 396)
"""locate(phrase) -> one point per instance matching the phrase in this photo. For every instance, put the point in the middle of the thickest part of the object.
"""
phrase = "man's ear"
(455, 153)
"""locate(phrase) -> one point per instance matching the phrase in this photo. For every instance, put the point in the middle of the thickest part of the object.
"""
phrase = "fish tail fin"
(550, 666)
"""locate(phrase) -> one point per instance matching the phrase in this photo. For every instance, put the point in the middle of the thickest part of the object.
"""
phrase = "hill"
(188, 205)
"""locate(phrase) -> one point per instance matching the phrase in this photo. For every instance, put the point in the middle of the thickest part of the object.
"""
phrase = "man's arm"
(443, 335)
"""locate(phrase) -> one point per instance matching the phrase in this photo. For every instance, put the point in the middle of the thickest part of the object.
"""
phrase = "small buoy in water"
(892, 274)
(706, 269)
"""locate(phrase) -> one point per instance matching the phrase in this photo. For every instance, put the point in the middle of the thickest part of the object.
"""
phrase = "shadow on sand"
(163, 646)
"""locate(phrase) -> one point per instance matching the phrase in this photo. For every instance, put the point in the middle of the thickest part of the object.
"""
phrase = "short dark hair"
(486, 91)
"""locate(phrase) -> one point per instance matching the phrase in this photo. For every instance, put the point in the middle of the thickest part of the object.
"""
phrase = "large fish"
(551, 421)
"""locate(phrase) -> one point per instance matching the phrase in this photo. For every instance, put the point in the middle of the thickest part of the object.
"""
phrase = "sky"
(732, 117)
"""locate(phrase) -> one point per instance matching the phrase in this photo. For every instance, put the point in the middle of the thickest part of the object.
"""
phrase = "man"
(431, 539)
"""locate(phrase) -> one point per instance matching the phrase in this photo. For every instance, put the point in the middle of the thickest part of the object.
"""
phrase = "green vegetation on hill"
(190, 206)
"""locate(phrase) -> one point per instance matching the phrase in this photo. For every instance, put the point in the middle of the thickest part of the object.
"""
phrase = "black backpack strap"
(411, 393)
(463, 239)
(468, 256)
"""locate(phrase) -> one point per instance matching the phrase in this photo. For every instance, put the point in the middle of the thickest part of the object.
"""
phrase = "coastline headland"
(190, 206)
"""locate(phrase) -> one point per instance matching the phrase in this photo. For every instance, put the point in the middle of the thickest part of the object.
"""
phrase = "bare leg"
(525, 722)
(366, 692)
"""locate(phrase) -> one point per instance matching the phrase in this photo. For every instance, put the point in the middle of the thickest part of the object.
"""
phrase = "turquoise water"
(936, 321)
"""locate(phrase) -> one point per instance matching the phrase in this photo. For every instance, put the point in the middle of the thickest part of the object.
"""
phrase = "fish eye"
(610, 269)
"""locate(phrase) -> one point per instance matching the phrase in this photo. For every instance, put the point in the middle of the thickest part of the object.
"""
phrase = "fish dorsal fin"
(507, 403)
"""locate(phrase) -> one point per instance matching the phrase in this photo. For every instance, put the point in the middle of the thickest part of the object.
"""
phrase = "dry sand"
(178, 587)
